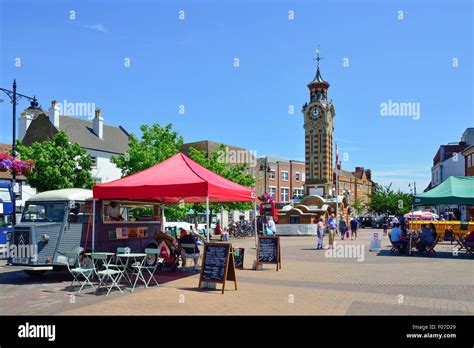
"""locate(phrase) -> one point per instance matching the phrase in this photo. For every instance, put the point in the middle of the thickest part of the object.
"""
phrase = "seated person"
(469, 239)
(193, 252)
(396, 235)
(195, 232)
(426, 238)
(113, 212)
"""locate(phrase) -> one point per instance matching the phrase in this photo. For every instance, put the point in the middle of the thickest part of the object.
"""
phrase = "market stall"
(176, 180)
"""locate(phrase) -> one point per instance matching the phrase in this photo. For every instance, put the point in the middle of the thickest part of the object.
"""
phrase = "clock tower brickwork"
(318, 124)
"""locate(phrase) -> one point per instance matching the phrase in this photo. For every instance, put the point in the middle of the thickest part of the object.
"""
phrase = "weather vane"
(318, 58)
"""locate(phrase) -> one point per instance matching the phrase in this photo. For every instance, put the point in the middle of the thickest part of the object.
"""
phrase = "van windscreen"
(44, 212)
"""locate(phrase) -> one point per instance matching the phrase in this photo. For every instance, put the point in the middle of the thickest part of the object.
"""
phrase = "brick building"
(469, 160)
(282, 178)
(356, 185)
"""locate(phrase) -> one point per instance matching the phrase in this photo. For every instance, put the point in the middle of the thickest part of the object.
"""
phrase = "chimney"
(24, 122)
(359, 169)
(53, 113)
(98, 124)
(368, 174)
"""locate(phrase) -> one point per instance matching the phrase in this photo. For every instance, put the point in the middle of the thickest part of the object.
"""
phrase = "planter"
(27, 171)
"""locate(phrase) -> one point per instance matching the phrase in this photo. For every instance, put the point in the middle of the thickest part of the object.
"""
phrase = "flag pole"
(337, 190)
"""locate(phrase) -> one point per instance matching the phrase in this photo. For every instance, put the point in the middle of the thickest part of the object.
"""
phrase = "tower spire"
(318, 80)
(318, 58)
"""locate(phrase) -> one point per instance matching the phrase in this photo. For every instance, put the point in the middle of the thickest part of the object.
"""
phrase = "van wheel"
(34, 273)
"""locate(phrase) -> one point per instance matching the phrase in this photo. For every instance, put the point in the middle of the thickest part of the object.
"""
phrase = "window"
(294, 219)
(260, 190)
(284, 194)
(114, 211)
(44, 212)
(284, 175)
(94, 161)
(80, 213)
(297, 193)
(297, 176)
(271, 174)
(272, 192)
(468, 161)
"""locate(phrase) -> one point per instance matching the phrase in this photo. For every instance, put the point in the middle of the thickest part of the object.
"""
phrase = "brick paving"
(308, 283)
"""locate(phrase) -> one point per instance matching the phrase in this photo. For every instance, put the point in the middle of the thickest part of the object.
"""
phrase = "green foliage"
(233, 172)
(385, 200)
(358, 206)
(155, 145)
(59, 164)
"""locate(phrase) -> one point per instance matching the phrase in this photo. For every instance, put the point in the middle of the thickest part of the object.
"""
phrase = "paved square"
(308, 283)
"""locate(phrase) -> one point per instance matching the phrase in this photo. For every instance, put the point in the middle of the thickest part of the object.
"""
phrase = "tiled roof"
(115, 139)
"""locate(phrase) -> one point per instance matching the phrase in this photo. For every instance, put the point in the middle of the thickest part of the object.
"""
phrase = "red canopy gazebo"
(177, 179)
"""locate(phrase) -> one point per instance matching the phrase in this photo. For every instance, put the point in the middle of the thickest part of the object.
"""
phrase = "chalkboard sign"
(218, 264)
(239, 257)
(268, 251)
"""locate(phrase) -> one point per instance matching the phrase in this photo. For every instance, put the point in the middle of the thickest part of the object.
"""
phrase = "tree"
(234, 172)
(358, 206)
(384, 200)
(155, 145)
(59, 164)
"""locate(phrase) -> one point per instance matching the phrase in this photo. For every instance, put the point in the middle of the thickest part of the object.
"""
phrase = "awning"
(454, 190)
(177, 179)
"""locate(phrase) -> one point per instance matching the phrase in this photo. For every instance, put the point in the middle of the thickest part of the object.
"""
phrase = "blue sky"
(190, 62)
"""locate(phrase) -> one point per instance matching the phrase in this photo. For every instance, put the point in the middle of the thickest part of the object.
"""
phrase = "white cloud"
(97, 27)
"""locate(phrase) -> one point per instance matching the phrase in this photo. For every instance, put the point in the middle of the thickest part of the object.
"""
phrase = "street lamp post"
(14, 98)
(266, 169)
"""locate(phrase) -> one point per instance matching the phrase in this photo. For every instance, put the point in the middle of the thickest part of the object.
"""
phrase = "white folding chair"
(152, 253)
(186, 256)
(78, 271)
(110, 272)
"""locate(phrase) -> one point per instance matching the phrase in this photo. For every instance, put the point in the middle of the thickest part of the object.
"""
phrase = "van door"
(76, 222)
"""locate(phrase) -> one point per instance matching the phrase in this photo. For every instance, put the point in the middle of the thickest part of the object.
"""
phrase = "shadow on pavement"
(416, 254)
(15, 277)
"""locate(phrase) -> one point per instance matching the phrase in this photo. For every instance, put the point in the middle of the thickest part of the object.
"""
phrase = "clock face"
(315, 112)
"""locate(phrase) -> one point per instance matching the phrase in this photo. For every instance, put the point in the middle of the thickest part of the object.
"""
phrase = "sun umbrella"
(422, 215)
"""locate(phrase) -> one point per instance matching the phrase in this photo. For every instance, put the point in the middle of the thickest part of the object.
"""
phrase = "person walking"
(342, 227)
(385, 225)
(320, 233)
(332, 227)
(271, 227)
(354, 226)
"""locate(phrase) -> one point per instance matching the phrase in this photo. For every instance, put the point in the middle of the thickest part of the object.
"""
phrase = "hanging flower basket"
(266, 197)
(14, 165)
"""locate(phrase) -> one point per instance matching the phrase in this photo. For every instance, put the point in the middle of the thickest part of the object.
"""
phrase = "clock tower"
(318, 125)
